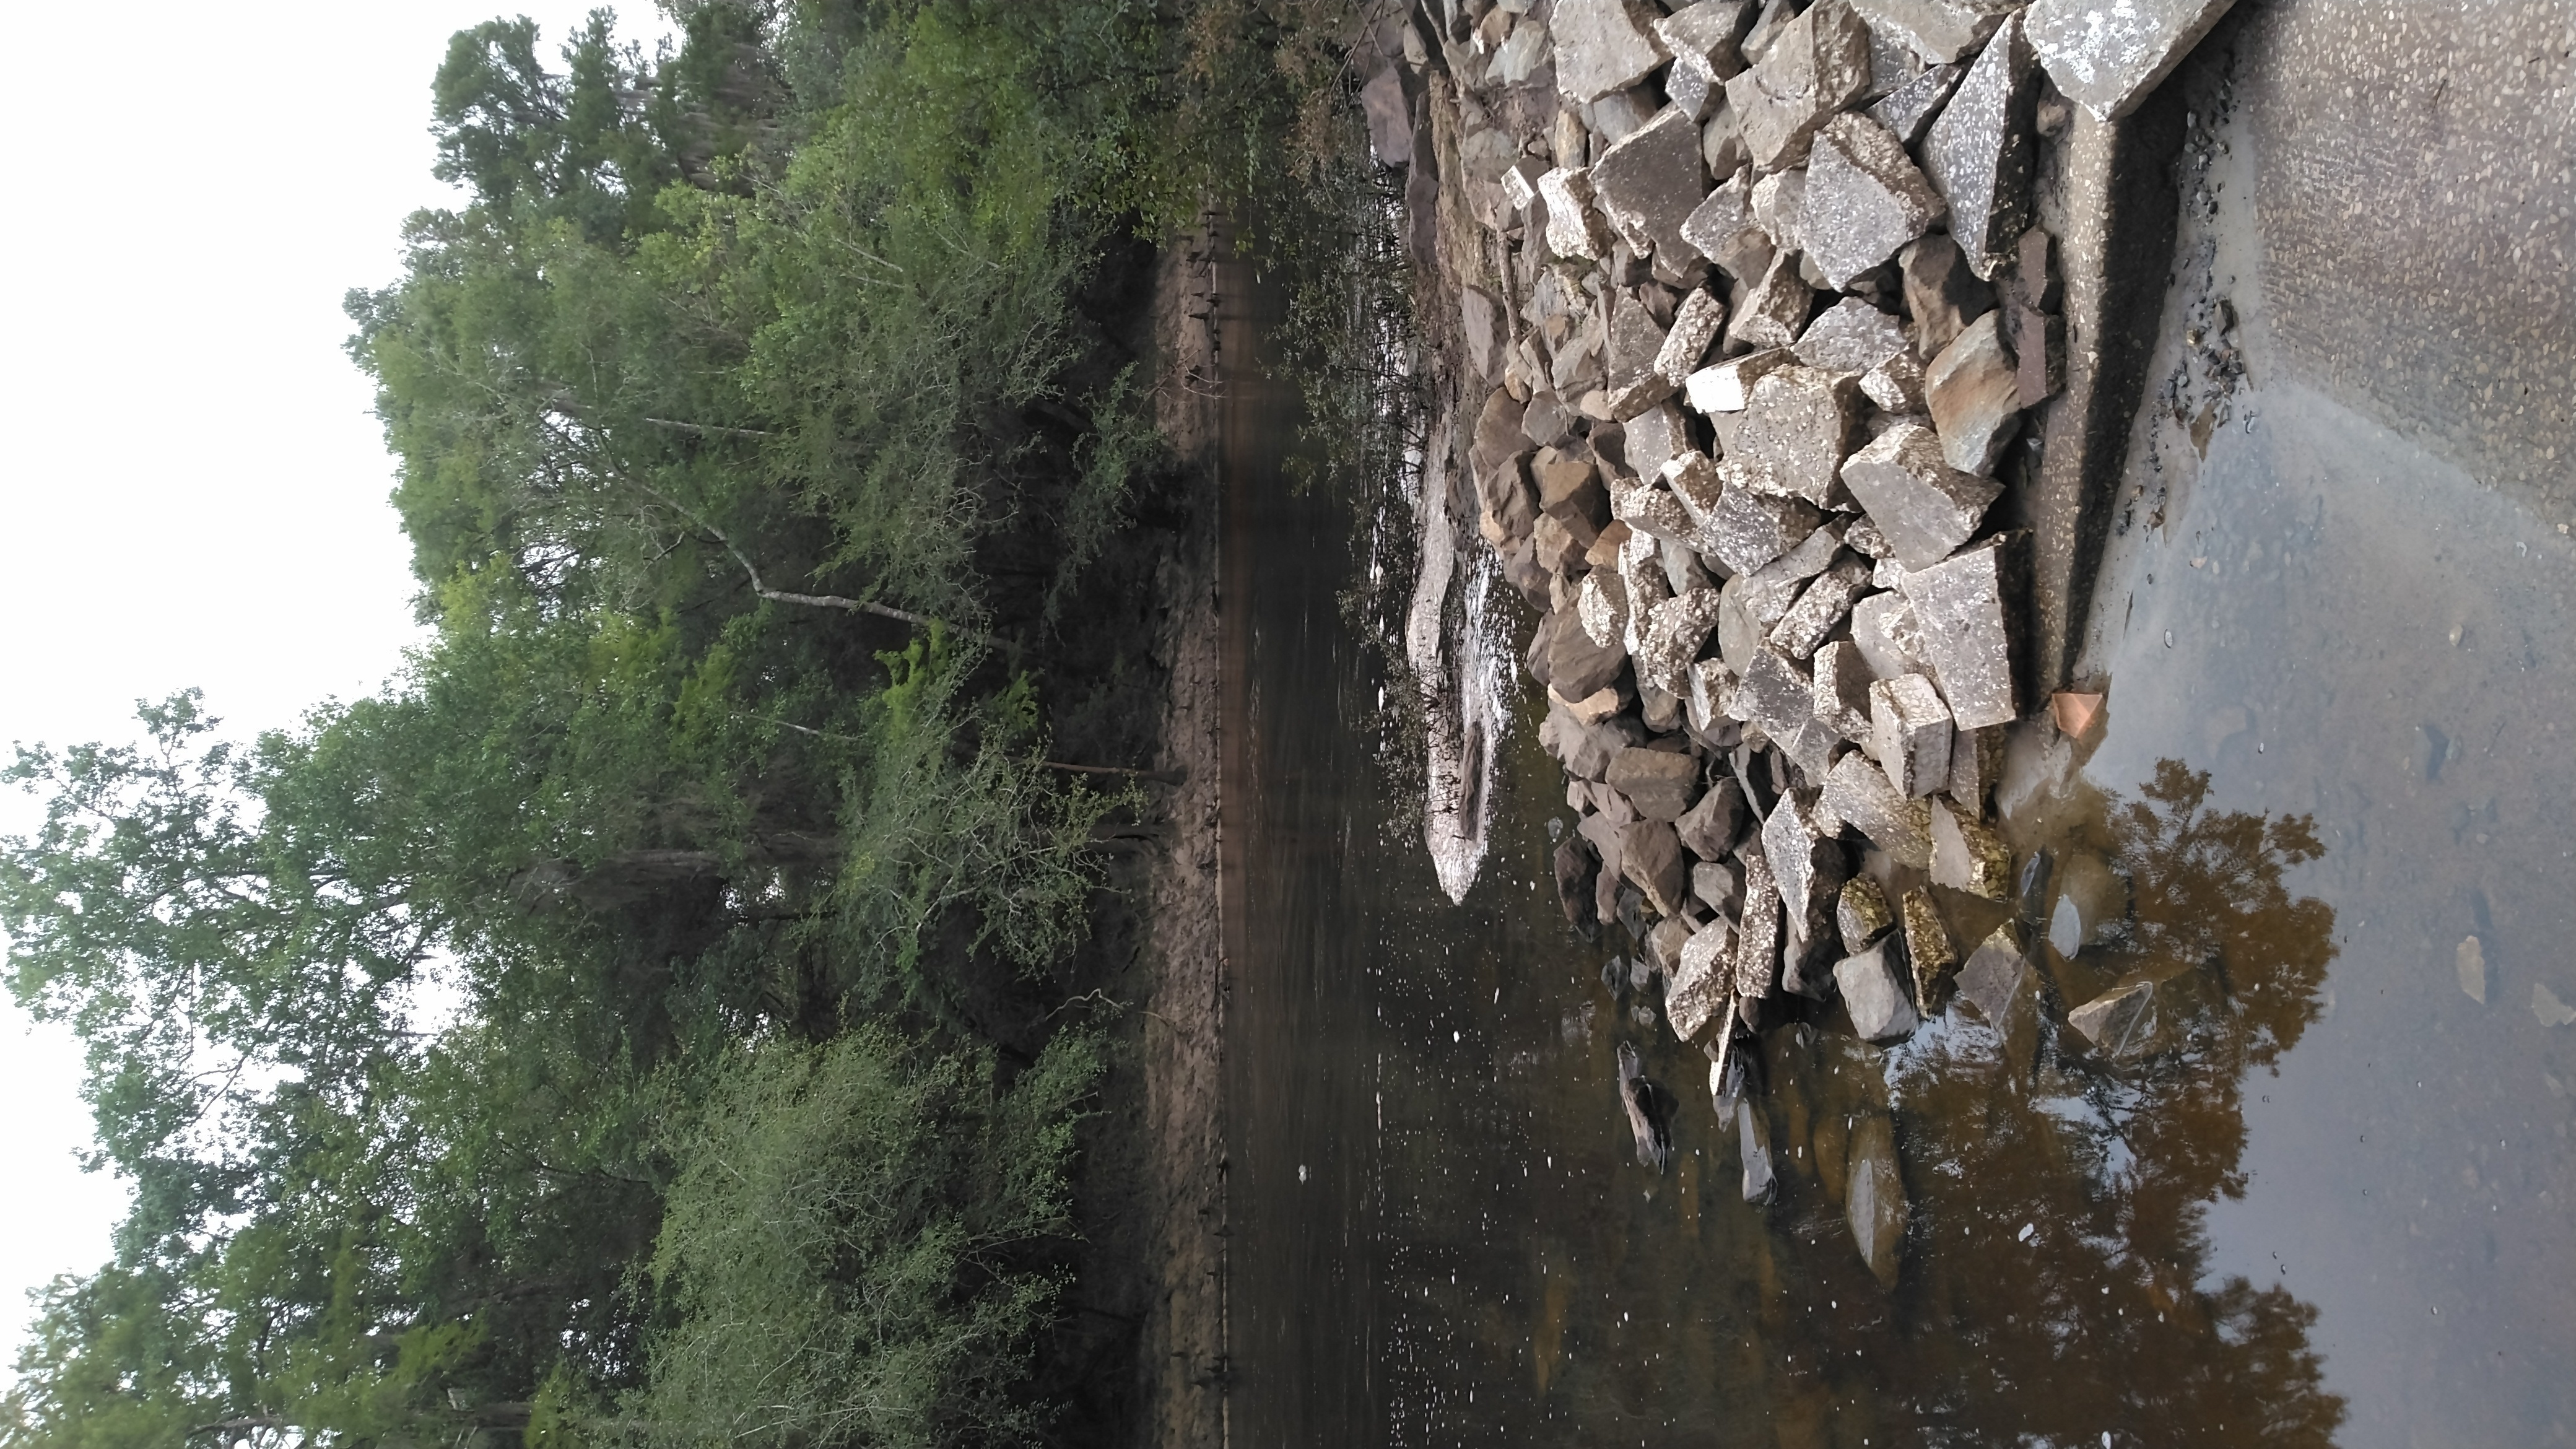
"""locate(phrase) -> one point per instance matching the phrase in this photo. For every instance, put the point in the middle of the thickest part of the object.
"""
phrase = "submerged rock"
(2122, 1022)
(1646, 1119)
(1873, 995)
(1967, 856)
(1702, 992)
(1874, 1199)
(1753, 1136)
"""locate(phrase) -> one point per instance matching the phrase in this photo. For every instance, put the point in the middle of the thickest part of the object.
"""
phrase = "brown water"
(2337, 1207)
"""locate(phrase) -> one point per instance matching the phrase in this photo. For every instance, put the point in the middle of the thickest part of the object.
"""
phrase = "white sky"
(193, 491)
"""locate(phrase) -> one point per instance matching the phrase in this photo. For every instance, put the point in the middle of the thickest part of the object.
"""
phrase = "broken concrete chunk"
(1778, 199)
(1818, 65)
(2108, 57)
(1909, 734)
(1655, 437)
(1701, 991)
(1937, 30)
(1883, 630)
(1978, 153)
(1695, 326)
(1757, 935)
(1574, 227)
(1851, 336)
(1673, 640)
(1819, 609)
(1719, 226)
(1604, 46)
(1928, 949)
(1995, 977)
(1728, 386)
(1959, 605)
(1775, 695)
(1966, 856)
(1864, 198)
(2122, 1022)
(1861, 915)
(1974, 396)
(1601, 601)
(1710, 32)
(1908, 110)
(1859, 794)
(1873, 995)
(1774, 311)
(1649, 181)
(1658, 784)
(1941, 294)
(1710, 826)
(1797, 429)
(1650, 857)
(1976, 762)
(1896, 385)
(1750, 528)
(1840, 690)
(1925, 507)
(1806, 863)
(1769, 591)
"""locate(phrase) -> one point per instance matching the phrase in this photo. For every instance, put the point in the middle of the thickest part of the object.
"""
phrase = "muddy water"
(2332, 814)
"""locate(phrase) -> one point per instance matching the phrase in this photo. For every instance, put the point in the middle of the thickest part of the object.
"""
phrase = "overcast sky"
(193, 491)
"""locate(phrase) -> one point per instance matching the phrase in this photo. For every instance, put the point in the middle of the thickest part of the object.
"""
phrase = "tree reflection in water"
(2055, 1277)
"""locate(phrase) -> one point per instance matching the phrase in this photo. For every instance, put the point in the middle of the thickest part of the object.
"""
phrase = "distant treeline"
(645, 1020)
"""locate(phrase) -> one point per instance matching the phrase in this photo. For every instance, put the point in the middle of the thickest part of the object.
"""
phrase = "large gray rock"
(1978, 153)
(1775, 694)
(1864, 198)
(2108, 55)
(1807, 866)
(1674, 638)
(1896, 385)
(1701, 993)
(1650, 181)
(1483, 328)
(1937, 30)
(1885, 632)
(1923, 507)
(1909, 734)
(1659, 784)
(1757, 935)
(1769, 591)
(1576, 665)
(1941, 294)
(1840, 689)
(1850, 336)
(1604, 46)
(1997, 979)
(1873, 995)
(1874, 1199)
(1615, 115)
(1635, 336)
(1778, 199)
(1750, 528)
(1722, 229)
(1601, 602)
(1774, 309)
(1710, 32)
(1695, 325)
(1820, 608)
(1650, 857)
(1727, 387)
(1654, 512)
(1860, 795)
(1655, 437)
(1967, 635)
(1719, 884)
(1796, 432)
(1708, 829)
(1575, 227)
(1974, 397)
(1818, 65)
(1908, 110)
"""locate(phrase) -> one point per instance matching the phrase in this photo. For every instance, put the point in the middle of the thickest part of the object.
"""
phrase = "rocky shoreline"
(1765, 324)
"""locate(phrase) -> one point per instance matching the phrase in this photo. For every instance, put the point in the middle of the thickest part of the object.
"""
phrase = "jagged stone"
(1874, 1200)
(1673, 640)
(1547, 420)
(1576, 665)
(1806, 863)
(1659, 784)
(1797, 429)
(1560, 546)
(1649, 181)
(1774, 311)
(1864, 198)
(1757, 934)
(1722, 225)
(1976, 763)
(1896, 385)
(1574, 227)
(1859, 794)
(2121, 1022)
(1928, 950)
(1569, 486)
(1840, 690)
(2109, 57)
(1719, 885)
(1727, 387)
(1909, 734)
(1818, 64)
(1604, 46)
(1997, 978)
(1974, 397)
(1850, 336)
(1704, 703)
(1960, 608)
(1483, 329)
(1695, 325)
(1907, 111)
(1775, 695)
(1595, 707)
(1641, 568)
(1862, 537)
(1925, 507)
(1778, 199)
(1861, 914)
(1978, 153)
(1937, 30)
(1873, 995)
(1574, 867)
(1721, 144)
(1521, 54)
(1750, 528)
(1711, 824)
(1967, 856)
(1653, 512)
(1885, 633)
(1654, 438)
(1650, 858)
(1701, 992)
(1635, 336)
(1508, 504)
(1819, 609)
(1710, 32)
(1769, 591)
(1601, 601)
(1614, 117)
